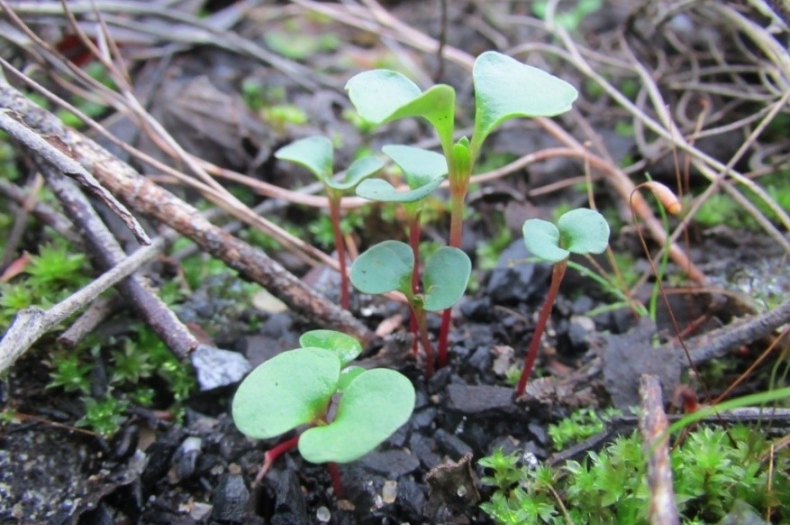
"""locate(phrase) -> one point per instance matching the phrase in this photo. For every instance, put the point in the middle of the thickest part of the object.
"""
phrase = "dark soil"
(201, 471)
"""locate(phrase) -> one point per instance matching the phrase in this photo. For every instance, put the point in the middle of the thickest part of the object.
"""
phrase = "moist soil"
(199, 469)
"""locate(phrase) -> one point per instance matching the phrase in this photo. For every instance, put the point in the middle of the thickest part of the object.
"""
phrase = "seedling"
(504, 89)
(389, 266)
(316, 154)
(579, 231)
(424, 171)
(301, 388)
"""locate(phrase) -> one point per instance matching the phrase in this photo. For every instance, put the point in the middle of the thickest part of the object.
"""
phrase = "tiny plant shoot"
(389, 266)
(424, 171)
(317, 155)
(306, 386)
(579, 231)
(504, 89)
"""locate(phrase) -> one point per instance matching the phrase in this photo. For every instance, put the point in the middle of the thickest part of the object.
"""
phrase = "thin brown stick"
(653, 425)
(150, 199)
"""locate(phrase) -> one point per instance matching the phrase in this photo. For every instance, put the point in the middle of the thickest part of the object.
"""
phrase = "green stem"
(340, 246)
(557, 273)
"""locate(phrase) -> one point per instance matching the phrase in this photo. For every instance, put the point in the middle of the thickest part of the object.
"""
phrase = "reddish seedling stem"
(273, 453)
(337, 483)
(557, 273)
(457, 197)
(419, 313)
(340, 246)
(414, 242)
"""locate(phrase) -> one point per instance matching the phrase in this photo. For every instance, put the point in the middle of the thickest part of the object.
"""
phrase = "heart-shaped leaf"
(359, 170)
(583, 231)
(382, 95)
(314, 153)
(506, 88)
(374, 405)
(543, 240)
(445, 278)
(288, 390)
(385, 267)
(345, 347)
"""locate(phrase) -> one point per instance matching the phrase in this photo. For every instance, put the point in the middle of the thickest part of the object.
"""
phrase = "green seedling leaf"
(423, 170)
(382, 191)
(445, 278)
(543, 240)
(420, 166)
(345, 347)
(375, 404)
(583, 231)
(385, 267)
(347, 375)
(314, 153)
(506, 88)
(382, 96)
(288, 390)
(359, 170)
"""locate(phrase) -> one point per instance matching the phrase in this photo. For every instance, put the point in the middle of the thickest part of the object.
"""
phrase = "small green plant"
(579, 231)
(579, 426)
(104, 416)
(317, 155)
(300, 388)
(389, 266)
(504, 89)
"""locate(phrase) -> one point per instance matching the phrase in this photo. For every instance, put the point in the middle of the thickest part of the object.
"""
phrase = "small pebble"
(323, 515)
(389, 491)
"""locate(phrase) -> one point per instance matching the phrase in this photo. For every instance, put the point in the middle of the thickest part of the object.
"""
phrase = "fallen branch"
(148, 198)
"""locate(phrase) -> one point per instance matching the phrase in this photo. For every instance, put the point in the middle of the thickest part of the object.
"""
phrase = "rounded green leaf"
(385, 267)
(314, 153)
(420, 166)
(382, 95)
(288, 390)
(445, 278)
(506, 88)
(583, 231)
(375, 404)
(359, 170)
(343, 345)
(543, 240)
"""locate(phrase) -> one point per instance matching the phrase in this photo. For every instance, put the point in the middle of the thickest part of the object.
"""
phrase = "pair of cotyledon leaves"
(296, 387)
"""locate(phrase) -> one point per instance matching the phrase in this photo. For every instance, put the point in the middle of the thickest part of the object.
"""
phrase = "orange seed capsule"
(666, 196)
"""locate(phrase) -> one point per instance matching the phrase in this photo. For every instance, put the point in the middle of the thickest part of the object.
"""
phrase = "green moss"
(714, 471)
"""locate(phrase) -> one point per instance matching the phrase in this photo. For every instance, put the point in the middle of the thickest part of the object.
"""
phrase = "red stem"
(419, 314)
(273, 453)
(414, 242)
(457, 196)
(334, 215)
(557, 273)
(337, 483)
